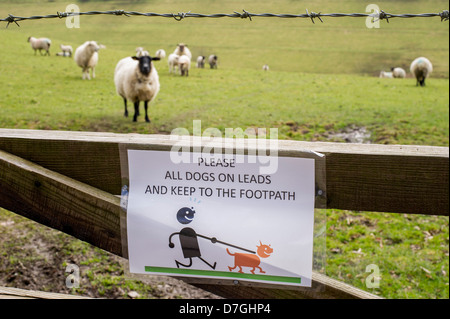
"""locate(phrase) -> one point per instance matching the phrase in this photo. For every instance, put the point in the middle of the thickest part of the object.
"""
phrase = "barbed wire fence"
(381, 15)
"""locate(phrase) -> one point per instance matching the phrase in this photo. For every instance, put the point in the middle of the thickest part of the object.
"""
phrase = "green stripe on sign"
(210, 273)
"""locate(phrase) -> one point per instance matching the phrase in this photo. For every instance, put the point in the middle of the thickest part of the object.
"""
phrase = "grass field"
(322, 82)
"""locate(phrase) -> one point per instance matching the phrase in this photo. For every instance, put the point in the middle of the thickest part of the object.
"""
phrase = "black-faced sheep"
(40, 44)
(421, 68)
(86, 57)
(136, 80)
(201, 61)
(182, 49)
(212, 60)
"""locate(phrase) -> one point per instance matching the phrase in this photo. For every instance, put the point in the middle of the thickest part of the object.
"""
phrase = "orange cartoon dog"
(251, 260)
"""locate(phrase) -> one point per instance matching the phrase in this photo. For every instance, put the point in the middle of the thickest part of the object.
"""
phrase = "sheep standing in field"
(398, 73)
(421, 68)
(136, 79)
(86, 57)
(265, 67)
(160, 54)
(201, 61)
(212, 60)
(173, 62)
(141, 52)
(384, 74)
(184, 63)
(40, 44)
(66, 49)
(182, 49)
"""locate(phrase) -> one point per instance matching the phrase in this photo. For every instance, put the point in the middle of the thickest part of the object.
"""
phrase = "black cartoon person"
(188, 238)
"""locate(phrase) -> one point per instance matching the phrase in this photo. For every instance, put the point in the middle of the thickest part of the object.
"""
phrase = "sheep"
(421, 68)
(182, 49)
(40, 44)
(265, 67)
(384, 74)
(66, 49)
(184, 63)
(212, 61)
(141, 52)
(201, 61)
(398, 73)
(173, 62)
(65, 54)
(160, 54)
(136, 79)
(86, 56)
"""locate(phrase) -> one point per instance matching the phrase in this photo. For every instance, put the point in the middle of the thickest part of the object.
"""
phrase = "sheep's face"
(145, 63)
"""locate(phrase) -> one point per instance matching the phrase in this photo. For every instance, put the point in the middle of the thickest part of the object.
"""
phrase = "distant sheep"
(265, 67)
(398, 73)
(160, 54)
(421, 68)
(201, 61)
(136, 79)
(141, 52)
(212, 60)
(86, 57)
(40, 44)
(182, 49)
(184, 63)
(67, 49)
(173, 62)
(384, 74)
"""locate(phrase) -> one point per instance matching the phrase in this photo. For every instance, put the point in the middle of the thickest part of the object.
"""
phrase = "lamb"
(173, 62)
(160, 54)
(384, 74)
(86, 56)
(66, 49)
(40, 44)
(184, 63)
(201, 61)
(136, 79)
(398, 73)
(421, 68)
(182, 49)
(212, 61)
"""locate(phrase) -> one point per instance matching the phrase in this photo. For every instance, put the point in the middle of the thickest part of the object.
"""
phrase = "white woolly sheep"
(141, 52)
(184, 63)
(212, 60)
(160, 54)
(201, 61)
(384, 74)
(173, 62)
(265, 67)
(136, 80)
(66, 49)
(40, 44)
(398, 73)
(182, 49)
(421, 68)
(86, 57)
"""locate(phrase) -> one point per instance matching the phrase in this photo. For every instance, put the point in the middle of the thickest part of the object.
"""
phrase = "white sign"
(219, 217)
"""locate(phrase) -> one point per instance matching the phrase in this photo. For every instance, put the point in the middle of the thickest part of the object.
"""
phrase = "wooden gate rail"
(68, 181)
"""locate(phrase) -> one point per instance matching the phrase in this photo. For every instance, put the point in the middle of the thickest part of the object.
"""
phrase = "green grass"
(322, 80)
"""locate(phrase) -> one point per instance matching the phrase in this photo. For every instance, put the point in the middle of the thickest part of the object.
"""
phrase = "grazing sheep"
(398, 73)
(160, 54)
(65, 54)
(182, 49)
(86, 57)
(184, 63)
(40, 44)
(421, 68)
(141, 52)
(136, 79)
(201, 61)
(173, 62)
(384, 74)
(265, 67)
(212, 61)
(66, 49)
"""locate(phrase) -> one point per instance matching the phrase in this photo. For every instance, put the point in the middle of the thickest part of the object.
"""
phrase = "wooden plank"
(94, 216)
(17, 293)
(363, 177)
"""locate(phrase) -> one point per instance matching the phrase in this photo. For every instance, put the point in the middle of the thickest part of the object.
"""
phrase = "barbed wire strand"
(444, 15)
